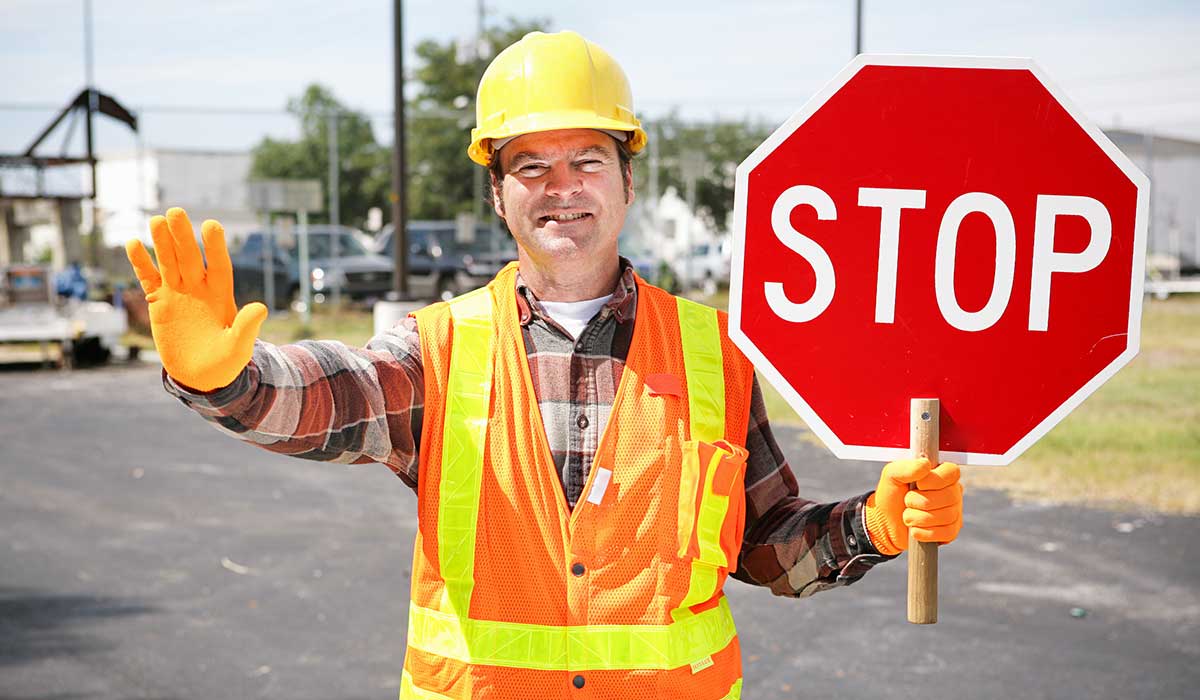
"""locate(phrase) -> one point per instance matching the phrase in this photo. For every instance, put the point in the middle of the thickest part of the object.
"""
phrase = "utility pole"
(655, 136)
(692, 166)
(655, 197)
(480, 13)
(335, 167)
(92, 106)
(399, 232)
(857, 27)
(478, 54)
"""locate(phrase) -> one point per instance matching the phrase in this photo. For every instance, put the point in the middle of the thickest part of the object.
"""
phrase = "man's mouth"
(562, 218)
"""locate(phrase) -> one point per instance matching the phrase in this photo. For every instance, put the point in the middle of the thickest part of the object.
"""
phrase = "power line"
(233, 111)
(207, 110)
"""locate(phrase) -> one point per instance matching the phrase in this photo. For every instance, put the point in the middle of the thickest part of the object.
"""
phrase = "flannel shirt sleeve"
(791, 545)
(325, 401)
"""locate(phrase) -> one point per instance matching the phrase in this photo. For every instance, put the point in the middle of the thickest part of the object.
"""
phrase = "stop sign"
(931, 227)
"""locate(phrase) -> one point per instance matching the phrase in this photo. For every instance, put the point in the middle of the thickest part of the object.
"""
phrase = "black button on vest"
(578, 681)
(578, 570)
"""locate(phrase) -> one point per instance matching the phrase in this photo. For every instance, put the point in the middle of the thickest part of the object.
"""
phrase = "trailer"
(32, 311)
(1161, 289)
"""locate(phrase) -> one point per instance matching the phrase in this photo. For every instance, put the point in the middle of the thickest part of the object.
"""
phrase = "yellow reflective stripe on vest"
(713, 507)
(689, 475)
(702, 585)
(567, 648)
(705, 370)
(735, 691)
(467, 397)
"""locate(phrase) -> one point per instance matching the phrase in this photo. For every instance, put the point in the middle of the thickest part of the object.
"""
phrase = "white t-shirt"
(574, 315)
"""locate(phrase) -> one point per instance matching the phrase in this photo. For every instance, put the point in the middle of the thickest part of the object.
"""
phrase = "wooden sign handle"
(923, 556)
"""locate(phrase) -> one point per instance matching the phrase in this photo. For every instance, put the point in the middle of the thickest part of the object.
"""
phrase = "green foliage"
(363, 179)
(666, 278)
(722, 146)
(351, 325)
(442, 180)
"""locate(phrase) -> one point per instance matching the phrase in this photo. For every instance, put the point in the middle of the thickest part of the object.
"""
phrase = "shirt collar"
(622, 305)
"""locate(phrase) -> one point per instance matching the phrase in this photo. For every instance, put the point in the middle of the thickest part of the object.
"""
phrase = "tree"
(722, 145)
(363, 177)
(442, 179)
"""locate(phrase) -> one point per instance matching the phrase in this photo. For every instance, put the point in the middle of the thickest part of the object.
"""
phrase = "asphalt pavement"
(146, 555)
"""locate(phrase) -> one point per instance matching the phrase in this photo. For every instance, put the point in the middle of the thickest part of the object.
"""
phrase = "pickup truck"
(441, 268)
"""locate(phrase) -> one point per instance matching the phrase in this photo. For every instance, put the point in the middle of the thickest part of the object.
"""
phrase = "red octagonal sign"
(931, 227)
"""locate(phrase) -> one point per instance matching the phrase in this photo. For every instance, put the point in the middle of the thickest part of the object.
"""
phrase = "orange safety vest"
(514, 595)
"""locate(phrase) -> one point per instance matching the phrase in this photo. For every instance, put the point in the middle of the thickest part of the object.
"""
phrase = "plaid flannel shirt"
(322, 400)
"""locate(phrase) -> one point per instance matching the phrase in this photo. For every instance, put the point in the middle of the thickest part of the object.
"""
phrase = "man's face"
(562, 196)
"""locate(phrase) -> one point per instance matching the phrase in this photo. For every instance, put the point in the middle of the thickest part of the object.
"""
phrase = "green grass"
(1135, 443)
(352, 326)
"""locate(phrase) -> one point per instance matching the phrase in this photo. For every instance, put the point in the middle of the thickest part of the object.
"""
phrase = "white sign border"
(818, 426)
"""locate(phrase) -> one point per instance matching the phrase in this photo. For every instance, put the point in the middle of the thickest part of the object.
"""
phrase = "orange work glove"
(933, 510)
(203, 340)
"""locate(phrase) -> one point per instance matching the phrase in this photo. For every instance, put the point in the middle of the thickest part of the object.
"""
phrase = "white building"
(134, 186)
(1173, 166)
(666, 228)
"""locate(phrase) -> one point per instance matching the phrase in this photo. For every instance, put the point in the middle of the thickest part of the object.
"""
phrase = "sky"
(217, 74)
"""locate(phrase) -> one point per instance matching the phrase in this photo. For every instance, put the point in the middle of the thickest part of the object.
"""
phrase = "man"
(591, 455)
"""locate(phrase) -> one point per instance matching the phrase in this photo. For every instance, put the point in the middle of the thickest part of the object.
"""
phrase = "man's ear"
(497, 190)
(629, 194)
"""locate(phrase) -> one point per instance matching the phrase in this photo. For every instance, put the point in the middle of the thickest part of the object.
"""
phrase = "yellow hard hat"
(552, 81)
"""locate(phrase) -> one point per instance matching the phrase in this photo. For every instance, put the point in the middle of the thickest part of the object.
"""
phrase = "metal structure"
(302, 197)
(30, 178)
(88, 102)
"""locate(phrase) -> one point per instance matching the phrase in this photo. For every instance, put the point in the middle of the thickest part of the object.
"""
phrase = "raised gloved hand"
(932, 511)
(203, 340)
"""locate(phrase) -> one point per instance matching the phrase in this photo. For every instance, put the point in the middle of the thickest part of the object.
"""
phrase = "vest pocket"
(712, 503)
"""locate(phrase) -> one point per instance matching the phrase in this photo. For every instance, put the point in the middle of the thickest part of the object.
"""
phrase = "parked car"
(441, 268)
(361, 274)
(249, 280)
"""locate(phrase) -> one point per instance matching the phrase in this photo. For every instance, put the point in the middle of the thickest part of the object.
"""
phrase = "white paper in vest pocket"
(599, 485)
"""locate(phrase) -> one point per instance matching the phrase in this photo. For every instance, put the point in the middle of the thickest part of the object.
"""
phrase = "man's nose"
(563, 181)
